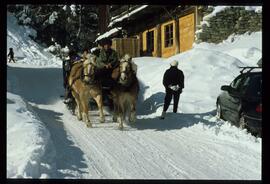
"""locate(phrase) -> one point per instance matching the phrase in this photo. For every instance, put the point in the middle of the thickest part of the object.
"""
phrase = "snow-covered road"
(184, 146)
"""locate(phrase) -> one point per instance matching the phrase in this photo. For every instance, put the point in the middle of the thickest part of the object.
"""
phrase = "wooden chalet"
(153, 30)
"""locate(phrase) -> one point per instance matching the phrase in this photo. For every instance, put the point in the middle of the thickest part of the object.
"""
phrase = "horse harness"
(82, 75)
(125, 86)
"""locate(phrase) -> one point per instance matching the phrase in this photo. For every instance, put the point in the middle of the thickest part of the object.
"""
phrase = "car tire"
(242, 121)
(219, 111)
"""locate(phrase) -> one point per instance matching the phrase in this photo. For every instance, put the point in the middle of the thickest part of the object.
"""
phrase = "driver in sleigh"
(107, 60)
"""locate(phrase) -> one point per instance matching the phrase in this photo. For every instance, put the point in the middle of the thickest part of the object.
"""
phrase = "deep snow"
(45, 141)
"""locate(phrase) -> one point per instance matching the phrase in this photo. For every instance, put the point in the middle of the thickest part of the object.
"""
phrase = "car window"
(255, 87)
(237, 82)
(245, 82)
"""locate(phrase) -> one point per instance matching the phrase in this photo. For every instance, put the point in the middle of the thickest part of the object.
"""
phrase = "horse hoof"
(114, 119)
(102, 121)
(88, 125)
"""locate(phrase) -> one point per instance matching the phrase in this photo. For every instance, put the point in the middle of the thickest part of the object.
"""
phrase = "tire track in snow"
(157, 150)
(101, 156)
(112, 158)
(214, 146)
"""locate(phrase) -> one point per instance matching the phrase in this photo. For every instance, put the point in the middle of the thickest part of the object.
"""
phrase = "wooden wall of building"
(187, 32)
(124, 46)
(186, 36)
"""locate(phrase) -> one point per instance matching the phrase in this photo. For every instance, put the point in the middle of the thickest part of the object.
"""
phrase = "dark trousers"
(11, 59)
(65, 83)
(168, 97)
(65, 78)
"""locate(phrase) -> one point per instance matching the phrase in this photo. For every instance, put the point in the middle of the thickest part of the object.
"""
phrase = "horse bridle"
(90, 75)
(129, 75)
(125, 72)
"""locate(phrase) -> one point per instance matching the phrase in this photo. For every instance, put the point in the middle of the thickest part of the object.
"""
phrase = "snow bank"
(29, 148)
(27, 141)
(246, 48)
(26, 50)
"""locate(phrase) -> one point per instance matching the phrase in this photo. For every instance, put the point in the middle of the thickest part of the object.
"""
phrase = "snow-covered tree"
(67, 24)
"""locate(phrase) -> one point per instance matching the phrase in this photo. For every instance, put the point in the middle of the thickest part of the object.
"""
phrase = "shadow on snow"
(44, 86)
(38, 85)
(68, 156)
(173, 121)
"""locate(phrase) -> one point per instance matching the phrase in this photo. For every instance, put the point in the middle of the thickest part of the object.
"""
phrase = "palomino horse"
(83, 86)
(125, 94)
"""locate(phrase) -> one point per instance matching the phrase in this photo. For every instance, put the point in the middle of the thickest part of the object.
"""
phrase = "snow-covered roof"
(108, 33)
(126, 15)
(93, 49)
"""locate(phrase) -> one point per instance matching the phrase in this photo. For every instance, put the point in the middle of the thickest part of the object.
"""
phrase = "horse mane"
(90, 59)
(75, 72)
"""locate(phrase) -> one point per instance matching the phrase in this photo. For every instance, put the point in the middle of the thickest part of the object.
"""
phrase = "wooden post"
(122, 48)
(133, 47)
(137, 47)
(158, 37)
(177, 36)
(141, 43)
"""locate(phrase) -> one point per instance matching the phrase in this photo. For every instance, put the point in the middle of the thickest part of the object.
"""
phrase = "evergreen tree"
(64, 24)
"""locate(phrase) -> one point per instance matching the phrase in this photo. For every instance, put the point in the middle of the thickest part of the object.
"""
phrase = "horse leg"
(120, 117)
(78, 106)
(132, 115)
(120, 120)
(114, 111)
(84, 102)
(99, 102)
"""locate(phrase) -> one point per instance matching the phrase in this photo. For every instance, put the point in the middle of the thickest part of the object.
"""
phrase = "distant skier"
(173, 81)
(11, 55)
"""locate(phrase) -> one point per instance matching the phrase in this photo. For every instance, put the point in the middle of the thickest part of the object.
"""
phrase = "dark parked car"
(240, 102)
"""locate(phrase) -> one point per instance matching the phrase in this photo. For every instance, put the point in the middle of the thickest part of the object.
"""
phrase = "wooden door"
(187, 33)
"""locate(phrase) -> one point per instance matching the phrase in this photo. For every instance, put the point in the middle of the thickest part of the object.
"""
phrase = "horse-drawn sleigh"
(85, 85)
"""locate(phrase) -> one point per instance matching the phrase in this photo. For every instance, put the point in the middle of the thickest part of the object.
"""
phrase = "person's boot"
(163, 115)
